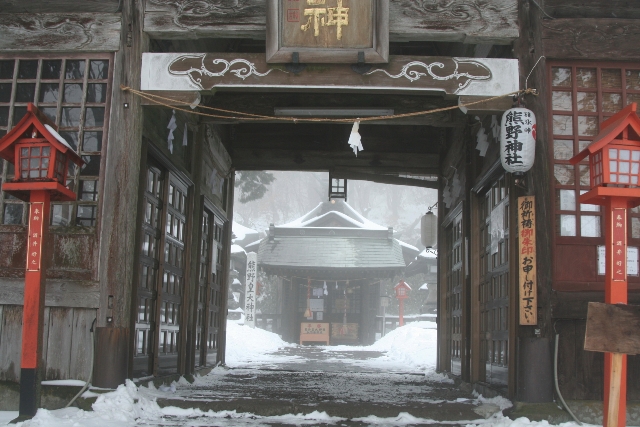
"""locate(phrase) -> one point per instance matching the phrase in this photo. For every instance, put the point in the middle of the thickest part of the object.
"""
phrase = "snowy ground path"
(271, 383)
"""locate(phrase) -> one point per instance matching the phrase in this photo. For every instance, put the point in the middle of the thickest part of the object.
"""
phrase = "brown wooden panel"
(60, 32)
(59, 293)
(593, 39)
(567, 357)
(589, 368)
(10, 343)
(469, 21)
(613, 328)
(621, 9)
(575, 263)
(58, 6)
(73, 251)
(633, 373)
(13, 249)
(59, 346)
(81, 343)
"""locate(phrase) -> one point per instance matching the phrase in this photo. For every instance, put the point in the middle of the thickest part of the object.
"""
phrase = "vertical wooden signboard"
(250, 290)
(528, 287)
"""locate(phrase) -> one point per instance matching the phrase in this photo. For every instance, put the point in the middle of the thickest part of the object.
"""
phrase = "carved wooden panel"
(593, 39)
(59, 6)
(470, 21)
(60, 32)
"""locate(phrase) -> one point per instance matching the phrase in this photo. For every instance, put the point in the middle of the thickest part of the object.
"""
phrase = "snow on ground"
(248, 347)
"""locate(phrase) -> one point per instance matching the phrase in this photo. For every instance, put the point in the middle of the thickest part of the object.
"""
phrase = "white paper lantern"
(429, 230)
(518, 139)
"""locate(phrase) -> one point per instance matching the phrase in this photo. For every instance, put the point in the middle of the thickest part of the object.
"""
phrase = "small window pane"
(89, 190)
(61, 214)
(28, 69)
(92, 141)
(97, 92)
(564, 174)
(13, 213)
(86, 215)
(4, 116)
(49, 92)
(91, 166)
(587, 101)
(567, 225)
(562, 125)
(72, 93)
(562, 149)
(611, 79)
(6, 68)
(74, 70)
(585, 175)
(586, 77)
(588, 208)
(561, 101)
(51, 69)
(99, 70)
(5, 92)
(25, 92)
(70, 117)
(587, 126)
(94, 117)
(635, 228)
(633, 79)
(561, 76)
(567, 200)
(611, 102)
(589, 226)
(71, 138)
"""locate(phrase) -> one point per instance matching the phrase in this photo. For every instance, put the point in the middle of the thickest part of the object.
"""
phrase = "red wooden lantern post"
(614, 162)
(402, 293)
(41, 158)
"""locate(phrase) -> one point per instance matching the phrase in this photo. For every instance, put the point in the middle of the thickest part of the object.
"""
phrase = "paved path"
(309, 379)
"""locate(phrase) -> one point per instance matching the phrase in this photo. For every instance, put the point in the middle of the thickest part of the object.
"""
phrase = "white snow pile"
(248, 345)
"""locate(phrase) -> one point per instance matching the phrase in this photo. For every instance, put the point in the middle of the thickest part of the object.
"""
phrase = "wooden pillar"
(226, 265)
(615, 293)
(119, 225)
(33, 309)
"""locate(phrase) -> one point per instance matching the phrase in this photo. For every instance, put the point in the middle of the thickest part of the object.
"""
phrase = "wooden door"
(454, 285)
(204, 278)
(494, 284)
(147, 289)
(173, 276)
(214, 302)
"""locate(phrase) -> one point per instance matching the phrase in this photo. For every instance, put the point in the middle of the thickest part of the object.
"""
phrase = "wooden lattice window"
(74, 92)
(582, 96)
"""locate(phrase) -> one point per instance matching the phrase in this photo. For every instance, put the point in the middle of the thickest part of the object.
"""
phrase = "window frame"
(95, 205)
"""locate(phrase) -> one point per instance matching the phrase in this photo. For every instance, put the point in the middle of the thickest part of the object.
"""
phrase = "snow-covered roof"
(408, 246)
(236, 282)
(237, 249)
(253, 247)
(241, 232)
(424, 287)
(57, 136)
(406, 283)
(340, 211)
(429, 253)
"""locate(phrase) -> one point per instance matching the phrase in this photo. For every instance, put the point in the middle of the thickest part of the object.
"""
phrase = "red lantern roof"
(45, 127)
(611, 129)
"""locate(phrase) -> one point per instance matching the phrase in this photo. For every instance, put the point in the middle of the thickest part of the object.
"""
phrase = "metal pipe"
(555, 378)
(86, 385)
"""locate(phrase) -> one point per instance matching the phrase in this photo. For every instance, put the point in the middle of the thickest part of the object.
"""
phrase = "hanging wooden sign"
(528, 287)
(328, 31)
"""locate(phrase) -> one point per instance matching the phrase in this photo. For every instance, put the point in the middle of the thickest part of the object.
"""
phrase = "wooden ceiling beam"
(383, 179)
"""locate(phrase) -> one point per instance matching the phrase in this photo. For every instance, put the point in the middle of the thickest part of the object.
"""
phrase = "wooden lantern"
(402, 290)
(614, 158)
(41, 157)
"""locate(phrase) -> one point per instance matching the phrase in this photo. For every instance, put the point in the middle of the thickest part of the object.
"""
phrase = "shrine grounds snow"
(395, 378)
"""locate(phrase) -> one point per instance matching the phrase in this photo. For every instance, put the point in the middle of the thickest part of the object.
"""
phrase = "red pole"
(33, 309)
(615, 292)
(401, 312)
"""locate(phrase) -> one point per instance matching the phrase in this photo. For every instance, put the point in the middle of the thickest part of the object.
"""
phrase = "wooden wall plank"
(81, 343)
(58, 293)
(11, 343)
(59, 346)
(621, 9)
(591, 39)
(469, 21)
(567, 358)
(80, 32)
(589, 368)
(45, 335)
(59, 6)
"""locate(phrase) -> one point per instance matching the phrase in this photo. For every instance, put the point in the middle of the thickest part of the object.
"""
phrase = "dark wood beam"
(60, 32)
(469, 21)
(60, 6)
(383, 179)
(620, 9)
(591, 39)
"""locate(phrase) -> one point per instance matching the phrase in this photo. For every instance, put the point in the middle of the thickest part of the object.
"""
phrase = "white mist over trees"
(292, 194)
